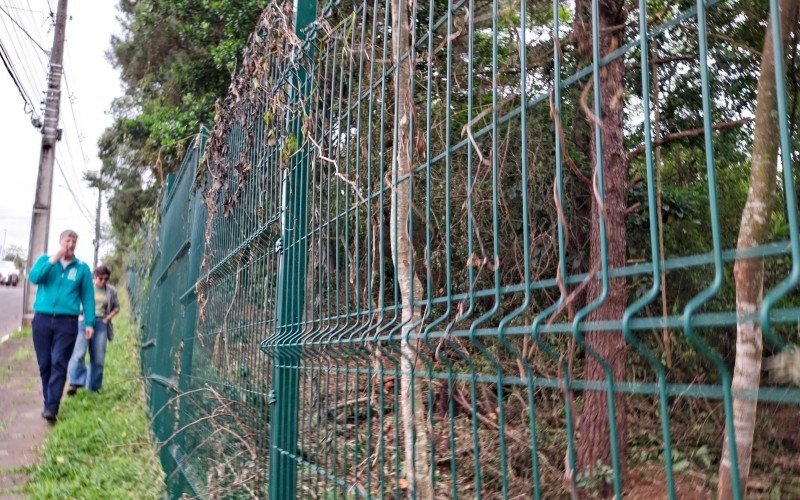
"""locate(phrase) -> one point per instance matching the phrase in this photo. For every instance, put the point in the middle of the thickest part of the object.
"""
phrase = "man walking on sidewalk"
(64, 284)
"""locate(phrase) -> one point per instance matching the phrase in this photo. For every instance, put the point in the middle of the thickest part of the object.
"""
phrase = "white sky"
(92, 83)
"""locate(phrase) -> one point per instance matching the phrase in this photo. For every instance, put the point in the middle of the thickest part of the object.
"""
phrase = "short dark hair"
(102, 270)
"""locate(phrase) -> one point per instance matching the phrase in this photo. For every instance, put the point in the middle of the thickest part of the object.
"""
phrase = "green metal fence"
(489, 256)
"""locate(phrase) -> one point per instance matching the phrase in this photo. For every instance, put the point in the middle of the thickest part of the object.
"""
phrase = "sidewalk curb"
(5, 338)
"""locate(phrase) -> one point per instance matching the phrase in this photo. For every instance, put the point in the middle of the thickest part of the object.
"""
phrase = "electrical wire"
(30, 62)
(81, 189)
(22, 54)
(81, 207)
(74, 117)
(66, 138)
(29, 9)
(67, 134)
(24, 77)
(12, 73)
(35, 42)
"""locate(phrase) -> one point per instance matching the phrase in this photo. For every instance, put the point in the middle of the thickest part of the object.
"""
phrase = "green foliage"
(24, 353)
(594, 480)
(175, 59)
(289, 149)
(21, 333)
(100, 447)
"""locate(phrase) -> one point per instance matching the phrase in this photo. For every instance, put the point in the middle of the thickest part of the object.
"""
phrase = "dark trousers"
(53, 339)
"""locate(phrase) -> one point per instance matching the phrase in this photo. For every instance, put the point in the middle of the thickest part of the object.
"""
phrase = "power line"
(67, 142)
(82, 208)
(81, 187)
(74, 115)
(20, 49)
(22, 8)
(35, 42)
(23, 56)
(37, 25)
(41, 57)
(35, 22)
(12, 73)
(12, 46)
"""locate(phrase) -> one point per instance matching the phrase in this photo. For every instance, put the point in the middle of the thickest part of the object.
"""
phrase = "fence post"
(197, 223)
(196, 248)
(291, 280)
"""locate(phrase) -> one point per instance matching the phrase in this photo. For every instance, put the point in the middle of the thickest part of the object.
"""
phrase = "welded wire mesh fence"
(486, 249)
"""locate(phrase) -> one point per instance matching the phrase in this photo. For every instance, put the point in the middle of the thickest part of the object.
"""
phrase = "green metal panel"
(295, 351)
(291, 277)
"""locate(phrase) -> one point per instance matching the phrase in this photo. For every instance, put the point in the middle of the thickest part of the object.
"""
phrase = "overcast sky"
(90, 84)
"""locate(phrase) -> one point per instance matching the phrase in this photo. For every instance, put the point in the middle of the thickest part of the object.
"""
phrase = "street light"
(3, 251)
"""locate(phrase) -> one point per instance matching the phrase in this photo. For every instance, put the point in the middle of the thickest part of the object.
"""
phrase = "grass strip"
(22, 332)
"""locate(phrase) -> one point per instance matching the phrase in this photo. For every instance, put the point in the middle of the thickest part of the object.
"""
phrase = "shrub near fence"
(481, 249)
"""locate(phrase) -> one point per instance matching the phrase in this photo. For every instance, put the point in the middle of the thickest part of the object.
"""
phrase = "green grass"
(11, 491)
(21, 333)
(101, 445)
(24, 353)
(8, 472)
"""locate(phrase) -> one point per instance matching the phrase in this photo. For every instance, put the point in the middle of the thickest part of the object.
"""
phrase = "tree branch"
(664, 60)
(685, 134)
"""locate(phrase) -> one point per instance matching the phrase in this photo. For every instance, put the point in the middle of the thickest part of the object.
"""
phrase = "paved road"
(10, 308)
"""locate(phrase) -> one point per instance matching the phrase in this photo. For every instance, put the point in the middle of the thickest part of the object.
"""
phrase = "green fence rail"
(484, 249)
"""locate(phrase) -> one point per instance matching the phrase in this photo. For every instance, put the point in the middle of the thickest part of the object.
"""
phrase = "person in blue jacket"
(64, 284)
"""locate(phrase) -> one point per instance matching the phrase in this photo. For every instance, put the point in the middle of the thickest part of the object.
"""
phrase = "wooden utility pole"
(40, 218)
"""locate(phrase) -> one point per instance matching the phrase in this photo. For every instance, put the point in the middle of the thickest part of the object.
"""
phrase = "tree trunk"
(414, 424)
(749, 273)
(593, 441)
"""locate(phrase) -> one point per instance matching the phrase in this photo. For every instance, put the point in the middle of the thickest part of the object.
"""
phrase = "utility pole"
(40, 219)
(95, 180)
(96, 241)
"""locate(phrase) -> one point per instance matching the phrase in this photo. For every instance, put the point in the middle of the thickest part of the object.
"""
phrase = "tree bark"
(593, 441)
(749, 273)
(414, 423)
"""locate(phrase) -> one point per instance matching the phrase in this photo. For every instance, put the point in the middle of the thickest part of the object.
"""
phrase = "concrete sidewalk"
(22, 429)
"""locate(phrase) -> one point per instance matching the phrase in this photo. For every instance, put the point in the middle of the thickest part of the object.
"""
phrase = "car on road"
(9, 276)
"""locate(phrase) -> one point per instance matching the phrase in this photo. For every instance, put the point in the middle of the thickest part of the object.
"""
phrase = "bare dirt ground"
(22, 429)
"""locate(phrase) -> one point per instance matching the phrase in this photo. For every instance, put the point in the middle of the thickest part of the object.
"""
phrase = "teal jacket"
(63, 290)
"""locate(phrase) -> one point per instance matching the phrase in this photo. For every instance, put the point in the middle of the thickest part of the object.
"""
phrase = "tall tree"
(411, 405)
(609, 347)
(175, 59)
(749, 273)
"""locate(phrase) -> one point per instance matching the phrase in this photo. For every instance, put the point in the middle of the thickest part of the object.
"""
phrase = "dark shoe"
(50, 416)
(72, 389)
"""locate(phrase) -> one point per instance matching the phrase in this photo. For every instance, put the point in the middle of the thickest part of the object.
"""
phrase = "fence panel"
(487, 249)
